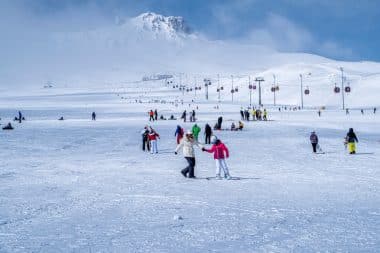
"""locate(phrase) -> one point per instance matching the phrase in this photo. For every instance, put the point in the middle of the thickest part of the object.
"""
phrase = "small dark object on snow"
(8, 127)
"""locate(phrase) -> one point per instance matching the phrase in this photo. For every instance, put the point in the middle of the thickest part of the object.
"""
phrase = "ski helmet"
(213, 139)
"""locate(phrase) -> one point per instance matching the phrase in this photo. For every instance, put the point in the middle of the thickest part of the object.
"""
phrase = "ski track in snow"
(82, 186)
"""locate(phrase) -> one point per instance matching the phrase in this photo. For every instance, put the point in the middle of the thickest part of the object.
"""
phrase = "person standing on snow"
(187, 144)
(152, 136)
(265, 115)
(184, 116)
(151, 115)
(314, 141)
(220, 121)
(193, 115)
(208, 133)
(179, 134)
(196, 130)
(220, 152)
(145, 140)
(93, 116)
(155, 114)
(351, 139)
(242, 113)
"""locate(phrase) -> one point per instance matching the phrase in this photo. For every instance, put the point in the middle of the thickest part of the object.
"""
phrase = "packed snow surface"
(85, 186)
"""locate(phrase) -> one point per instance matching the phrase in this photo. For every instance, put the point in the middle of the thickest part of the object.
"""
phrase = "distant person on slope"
(184, 116)
(151, 115)
(93, 116)
(351, 139)
(187, 144)
(153, 136)
(19, 116)
(196, 130)
(8, 127)
(145, 139)
(208, 133)
(179, 134)
(314, 141)
(220, 152)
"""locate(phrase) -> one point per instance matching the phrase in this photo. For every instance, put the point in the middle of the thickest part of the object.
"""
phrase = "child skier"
(314, 141)
(152, 136)
(220, 153)
(350, 140)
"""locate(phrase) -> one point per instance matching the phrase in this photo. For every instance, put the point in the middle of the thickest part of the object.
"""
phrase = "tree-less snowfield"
(85, 186)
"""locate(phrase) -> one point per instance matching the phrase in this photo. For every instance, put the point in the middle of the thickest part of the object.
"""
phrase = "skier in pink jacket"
(220, 153)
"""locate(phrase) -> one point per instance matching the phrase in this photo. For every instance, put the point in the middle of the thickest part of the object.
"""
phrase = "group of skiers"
(153, 115)
(191, 118)
(349, 142)
(257, 114)
(195, 130)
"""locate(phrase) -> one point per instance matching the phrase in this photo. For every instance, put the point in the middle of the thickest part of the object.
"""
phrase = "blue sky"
(342, 29)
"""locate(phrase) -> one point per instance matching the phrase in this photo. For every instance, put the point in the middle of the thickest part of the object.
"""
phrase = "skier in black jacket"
(314, 141)
(351, 139)
(208, 133)
(145, 141)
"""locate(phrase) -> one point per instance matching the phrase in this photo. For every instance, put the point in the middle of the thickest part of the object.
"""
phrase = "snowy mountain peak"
(170, 27)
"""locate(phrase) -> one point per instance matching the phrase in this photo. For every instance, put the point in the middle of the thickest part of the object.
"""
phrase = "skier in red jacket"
(220, 153)
(152, 136)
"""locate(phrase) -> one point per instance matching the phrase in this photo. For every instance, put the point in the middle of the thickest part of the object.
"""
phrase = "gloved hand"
(203, 149)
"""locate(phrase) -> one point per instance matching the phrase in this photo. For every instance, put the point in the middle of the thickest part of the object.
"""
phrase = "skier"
(351, 139)
(219, 124)
(253, 114)
(179, 134)
(319, 113)
(374, 110)
(187, 144)
(193, 115)
(314, 141)
(220, 152)
(93, 116)
(151, 115)
(233, 127)
(347, 111)
(241, 126)
(19, 116)
(8, 126)
(196, 130)
(242, 114)
(155, 114)
(362, 111)
(61, 118)
(184, 116)
(265, 115)
(208, 133)
(145, 140)
(152, 136)
(247, 115)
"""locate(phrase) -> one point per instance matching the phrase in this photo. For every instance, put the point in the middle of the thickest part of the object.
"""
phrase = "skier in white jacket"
(187, 144)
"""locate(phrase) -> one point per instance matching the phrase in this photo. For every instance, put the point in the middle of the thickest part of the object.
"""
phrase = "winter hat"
(189, 132)
(213, 139)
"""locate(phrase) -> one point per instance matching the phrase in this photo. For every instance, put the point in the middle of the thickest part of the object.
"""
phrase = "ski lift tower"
(343, 105)
(259, 80)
